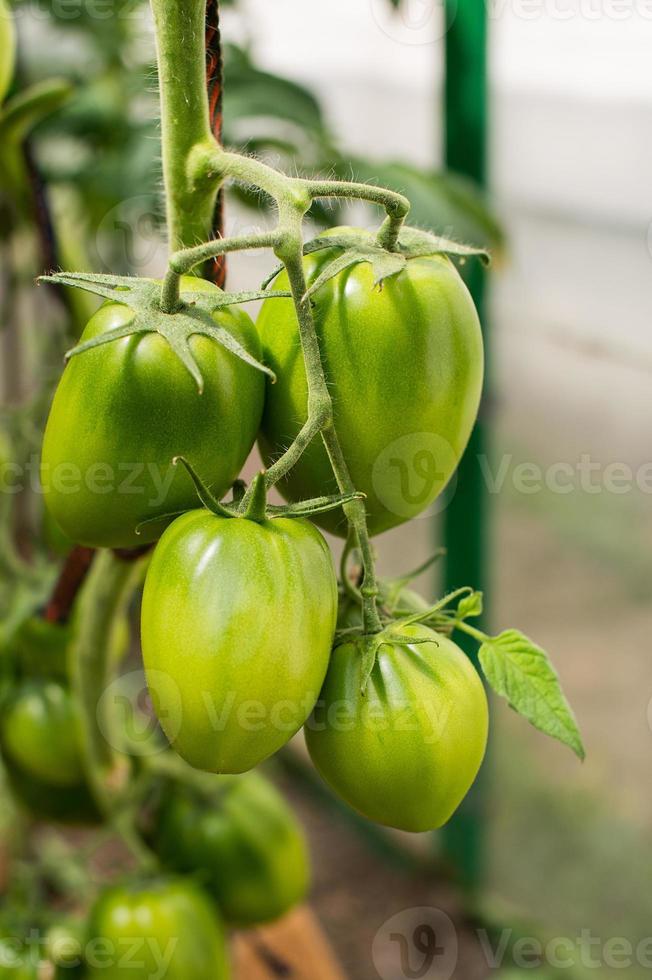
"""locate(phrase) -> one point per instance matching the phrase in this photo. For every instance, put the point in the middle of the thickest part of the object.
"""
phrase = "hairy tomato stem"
(185, 121)
(320, 406)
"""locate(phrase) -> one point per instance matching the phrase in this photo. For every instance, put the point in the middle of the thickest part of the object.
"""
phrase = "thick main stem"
(185, 122)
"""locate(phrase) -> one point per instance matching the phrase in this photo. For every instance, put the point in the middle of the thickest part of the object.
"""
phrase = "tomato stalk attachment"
(252, 504)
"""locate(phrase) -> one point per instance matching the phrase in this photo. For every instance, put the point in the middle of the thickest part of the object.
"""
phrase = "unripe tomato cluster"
(239, 612)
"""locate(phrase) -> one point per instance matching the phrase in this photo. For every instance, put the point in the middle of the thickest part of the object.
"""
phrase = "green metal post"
(466, 517)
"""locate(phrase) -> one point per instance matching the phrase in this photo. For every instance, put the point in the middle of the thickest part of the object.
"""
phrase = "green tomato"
(40, 733)
(68, 805)
(40, 648)
(243, 840)
(124, 410)
(404, 364)
(167, 929)
(7, 48)
(64, 945)
(238, 619)
(405, 752)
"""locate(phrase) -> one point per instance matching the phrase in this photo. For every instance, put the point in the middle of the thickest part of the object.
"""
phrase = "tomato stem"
(185, 121)
(103, 601)
(470, 630)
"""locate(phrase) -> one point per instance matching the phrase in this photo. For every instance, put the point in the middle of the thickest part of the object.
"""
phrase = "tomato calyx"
(358, 245)
(194, 316)
(252, 504)
(437, 618)
(370, 644)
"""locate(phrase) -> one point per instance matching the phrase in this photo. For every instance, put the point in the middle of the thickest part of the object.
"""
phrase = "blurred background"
(550, 848)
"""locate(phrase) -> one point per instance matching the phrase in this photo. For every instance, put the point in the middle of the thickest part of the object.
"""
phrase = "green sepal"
(363, 246)
(370, 645)
(168, 518)
(316, 505)
(209, 501)
(142, 296)
(255, 508)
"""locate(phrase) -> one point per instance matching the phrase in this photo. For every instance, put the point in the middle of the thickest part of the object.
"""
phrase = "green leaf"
(25, 110)
(255, 94)
(209, 501)
(520, 671)
(470, 605)
(316, 505)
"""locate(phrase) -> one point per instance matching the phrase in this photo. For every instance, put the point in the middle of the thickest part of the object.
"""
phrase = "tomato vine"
(196, 170)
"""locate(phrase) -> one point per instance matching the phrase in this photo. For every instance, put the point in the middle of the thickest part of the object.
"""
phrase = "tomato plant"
(404, 364)
(159, 928)
(238, 619)
(404, 744)
(373, 353)
(242, 840)
(124, 409)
